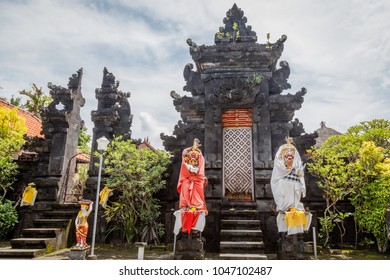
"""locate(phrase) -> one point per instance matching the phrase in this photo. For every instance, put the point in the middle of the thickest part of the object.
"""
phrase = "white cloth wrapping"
(200, 223)
(287, 194)
(282, 225)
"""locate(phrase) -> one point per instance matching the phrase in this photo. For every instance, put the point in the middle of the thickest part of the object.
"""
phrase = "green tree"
(330, 165)
(371, 199)
(84, 139)
(37, 100)
(16, 101)
(8, 218)
(12, 129)
(353, 166)
(136, 175)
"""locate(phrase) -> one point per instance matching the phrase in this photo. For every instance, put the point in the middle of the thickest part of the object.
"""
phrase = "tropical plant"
(84, 139)
(372, 199)
(16, 101)
(136, 175)
(12, 129)
(355, 167)
(8, 218)
(255, 79)
(37, 100)
(333, 173)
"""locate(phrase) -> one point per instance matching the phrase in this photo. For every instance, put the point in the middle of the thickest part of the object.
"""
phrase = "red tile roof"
(34, 124)
(82, 158)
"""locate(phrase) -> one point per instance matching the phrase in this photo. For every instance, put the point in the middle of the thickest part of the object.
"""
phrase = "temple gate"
(238, 112)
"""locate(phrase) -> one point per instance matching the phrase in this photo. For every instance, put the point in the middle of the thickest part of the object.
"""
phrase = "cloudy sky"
(339, 50)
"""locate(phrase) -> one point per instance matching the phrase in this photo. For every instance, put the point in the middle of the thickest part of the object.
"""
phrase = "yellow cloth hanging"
(29, 195)
(295, 218)
(104, 195)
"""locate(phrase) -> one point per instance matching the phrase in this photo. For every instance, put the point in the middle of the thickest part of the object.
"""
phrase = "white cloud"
(338, 50)
(151, 128)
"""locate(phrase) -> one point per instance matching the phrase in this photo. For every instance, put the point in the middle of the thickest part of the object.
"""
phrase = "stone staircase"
(241, 235)
(49, 233)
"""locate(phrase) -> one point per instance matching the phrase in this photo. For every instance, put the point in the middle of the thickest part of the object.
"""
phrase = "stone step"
(241, 235)
(8, 253)
(64, 214)
(242, 244)
(229, 256)
(41, 232)
(239, 205)
(243, 247)
(240, 224)
(32, 243)
(51, 223)
(239, 214)
(65, 206)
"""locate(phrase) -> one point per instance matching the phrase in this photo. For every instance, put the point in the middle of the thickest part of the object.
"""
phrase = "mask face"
(287, 154)
(191, 159)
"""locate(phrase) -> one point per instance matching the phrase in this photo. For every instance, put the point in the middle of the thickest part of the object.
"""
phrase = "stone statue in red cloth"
(81, 224)
(192, 182)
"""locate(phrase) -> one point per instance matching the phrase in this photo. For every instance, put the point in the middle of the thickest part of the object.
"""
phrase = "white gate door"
(238, 159)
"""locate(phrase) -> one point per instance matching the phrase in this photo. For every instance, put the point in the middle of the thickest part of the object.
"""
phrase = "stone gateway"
(236, 108)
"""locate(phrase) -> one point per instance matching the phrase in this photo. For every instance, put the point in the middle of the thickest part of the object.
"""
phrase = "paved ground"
(121, 252)
(111, 252)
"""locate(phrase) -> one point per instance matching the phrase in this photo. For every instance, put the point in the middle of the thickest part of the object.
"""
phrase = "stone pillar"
(113, 116)
(61, 126)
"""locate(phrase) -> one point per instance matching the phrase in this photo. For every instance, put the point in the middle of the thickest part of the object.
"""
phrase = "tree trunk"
(382, 247)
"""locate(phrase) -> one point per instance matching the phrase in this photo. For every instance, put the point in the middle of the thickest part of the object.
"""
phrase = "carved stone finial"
(75, 79)
(235, 30)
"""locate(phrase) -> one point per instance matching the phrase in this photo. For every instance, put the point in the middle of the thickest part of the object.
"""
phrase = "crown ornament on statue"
(289, 140)
(196, 145)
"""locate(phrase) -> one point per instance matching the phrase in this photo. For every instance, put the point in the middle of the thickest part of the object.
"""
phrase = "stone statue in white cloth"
(288, 188)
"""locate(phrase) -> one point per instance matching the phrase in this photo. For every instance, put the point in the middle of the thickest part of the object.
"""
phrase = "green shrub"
(8, 218)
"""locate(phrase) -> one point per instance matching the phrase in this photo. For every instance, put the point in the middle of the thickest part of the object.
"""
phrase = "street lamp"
(102, 144)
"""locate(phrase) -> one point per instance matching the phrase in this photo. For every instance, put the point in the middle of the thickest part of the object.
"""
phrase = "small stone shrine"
(236, 108)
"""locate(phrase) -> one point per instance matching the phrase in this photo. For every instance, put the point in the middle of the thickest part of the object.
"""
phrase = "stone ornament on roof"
(235, 29)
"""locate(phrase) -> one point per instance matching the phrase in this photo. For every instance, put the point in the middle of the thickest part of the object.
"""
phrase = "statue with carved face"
(288, 188)
(81, 224)
(192, 181)
(287, 181)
